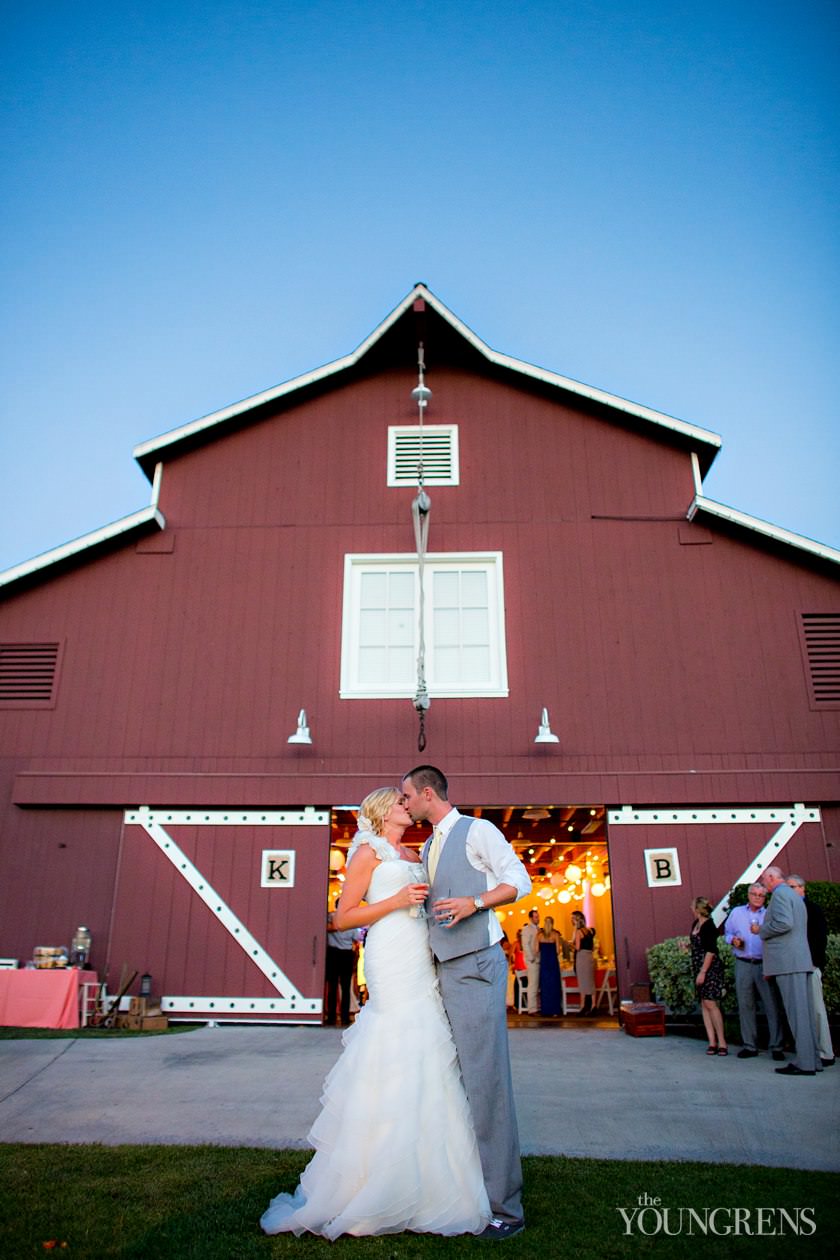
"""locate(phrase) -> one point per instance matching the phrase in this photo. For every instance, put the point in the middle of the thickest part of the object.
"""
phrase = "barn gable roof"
(151, 454)
(148, 453)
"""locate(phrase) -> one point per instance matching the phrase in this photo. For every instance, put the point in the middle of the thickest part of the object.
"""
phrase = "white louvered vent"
(821, 636)
(28, 673)
(438, 449)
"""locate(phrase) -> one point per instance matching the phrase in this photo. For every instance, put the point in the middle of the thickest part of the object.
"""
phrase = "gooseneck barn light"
(301, 735)
(545, 735)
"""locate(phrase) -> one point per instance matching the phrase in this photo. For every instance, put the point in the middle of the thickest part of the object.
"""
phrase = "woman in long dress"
(550, 943)
(394, 1144)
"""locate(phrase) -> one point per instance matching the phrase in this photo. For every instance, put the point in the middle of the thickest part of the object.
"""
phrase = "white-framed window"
(464, 625)
(435, 444)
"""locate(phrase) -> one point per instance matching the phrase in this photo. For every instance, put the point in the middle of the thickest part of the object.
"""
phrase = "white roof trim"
(154, 445)
(107, 532)
(701, 504)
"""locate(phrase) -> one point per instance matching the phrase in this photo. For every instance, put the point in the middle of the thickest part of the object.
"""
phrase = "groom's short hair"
(429, 776)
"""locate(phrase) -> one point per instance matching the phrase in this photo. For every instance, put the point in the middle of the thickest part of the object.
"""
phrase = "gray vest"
(456, 877)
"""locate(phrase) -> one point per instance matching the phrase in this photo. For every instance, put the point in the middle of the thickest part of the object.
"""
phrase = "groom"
(472, 868)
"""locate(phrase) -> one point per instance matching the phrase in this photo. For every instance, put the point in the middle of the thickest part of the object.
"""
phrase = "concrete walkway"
(583, 1092)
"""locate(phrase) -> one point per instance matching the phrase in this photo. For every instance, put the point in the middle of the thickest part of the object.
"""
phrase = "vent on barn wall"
(821, 638)
(433, 445)
(28, 674)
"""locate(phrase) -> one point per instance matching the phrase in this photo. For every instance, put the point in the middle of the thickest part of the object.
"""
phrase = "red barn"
(152, 673)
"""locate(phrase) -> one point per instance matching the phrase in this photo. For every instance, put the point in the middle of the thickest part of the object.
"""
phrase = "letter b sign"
(662, 867)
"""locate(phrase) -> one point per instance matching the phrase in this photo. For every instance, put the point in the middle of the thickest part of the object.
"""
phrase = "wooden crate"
(150, 1022)
(643, 1019)
(142, 1023)
(132, 1022)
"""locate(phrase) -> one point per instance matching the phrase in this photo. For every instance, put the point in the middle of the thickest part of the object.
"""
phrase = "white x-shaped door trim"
(290, 1000)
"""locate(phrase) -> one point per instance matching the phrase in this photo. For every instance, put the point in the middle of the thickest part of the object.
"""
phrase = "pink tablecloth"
(42, 999)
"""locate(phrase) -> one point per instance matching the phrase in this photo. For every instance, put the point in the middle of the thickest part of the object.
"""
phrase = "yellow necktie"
(434, 852)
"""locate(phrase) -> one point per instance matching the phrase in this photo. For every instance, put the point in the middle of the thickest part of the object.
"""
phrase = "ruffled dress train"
(394, 1144)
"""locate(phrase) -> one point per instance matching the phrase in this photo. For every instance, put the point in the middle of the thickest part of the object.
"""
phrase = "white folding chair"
(522, 992)
(93, 999)
(569, 988)
(607, 990)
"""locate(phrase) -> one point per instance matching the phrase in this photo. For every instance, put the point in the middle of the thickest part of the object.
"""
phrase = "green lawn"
(203, 1201)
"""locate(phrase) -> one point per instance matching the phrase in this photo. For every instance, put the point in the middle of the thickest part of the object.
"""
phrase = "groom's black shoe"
(502, 1229)
(793, 1070)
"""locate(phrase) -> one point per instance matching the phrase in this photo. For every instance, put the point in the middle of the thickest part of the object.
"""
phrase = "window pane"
(475, 628)
(400, 628)
(371, 628)
(475, 666)
(446, 589)
(446, 628)
(371, 666)
(401, 667)
(447, 667)
(401, 590)
(373, 590)
(473, 589)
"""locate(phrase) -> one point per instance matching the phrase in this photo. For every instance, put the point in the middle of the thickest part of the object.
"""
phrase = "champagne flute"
(419, 911)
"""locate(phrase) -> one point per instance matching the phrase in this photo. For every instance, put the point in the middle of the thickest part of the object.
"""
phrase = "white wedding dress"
(394, 1143)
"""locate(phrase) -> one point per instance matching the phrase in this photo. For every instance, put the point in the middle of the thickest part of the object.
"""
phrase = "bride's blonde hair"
(375, 806)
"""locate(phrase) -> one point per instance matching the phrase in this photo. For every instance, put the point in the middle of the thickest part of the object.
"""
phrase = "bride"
(394, 1143)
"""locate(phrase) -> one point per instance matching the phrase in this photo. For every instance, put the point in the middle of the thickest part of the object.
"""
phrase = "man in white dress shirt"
(472, 868)
(531, 950)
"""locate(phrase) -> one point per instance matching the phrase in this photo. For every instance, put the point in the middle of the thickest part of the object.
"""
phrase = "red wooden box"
(643, 1019)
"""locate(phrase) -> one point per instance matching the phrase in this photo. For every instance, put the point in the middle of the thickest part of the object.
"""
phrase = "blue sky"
(202, 200)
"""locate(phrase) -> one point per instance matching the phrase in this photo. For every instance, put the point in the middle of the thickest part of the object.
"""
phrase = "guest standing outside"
(708, 974)
(817, 944)
(788, 958)
(742, 929)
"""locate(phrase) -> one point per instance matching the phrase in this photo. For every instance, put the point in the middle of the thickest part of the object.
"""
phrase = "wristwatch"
(478, 902)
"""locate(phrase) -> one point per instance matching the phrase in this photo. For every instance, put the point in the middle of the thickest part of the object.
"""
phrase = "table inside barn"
(46, 998)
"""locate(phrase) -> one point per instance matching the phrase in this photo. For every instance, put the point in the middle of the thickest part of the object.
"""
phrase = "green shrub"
(672, 981)
(738, 897)
(831, 975)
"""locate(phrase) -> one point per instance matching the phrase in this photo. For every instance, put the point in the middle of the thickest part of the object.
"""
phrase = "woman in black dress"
(708, 974)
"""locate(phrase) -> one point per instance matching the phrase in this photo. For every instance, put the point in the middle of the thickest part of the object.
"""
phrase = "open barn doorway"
(564, 848)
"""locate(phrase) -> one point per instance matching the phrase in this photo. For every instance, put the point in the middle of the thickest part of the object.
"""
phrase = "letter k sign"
(278, 868)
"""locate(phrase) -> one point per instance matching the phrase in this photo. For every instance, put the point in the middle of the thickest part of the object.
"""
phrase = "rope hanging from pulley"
(420, 508)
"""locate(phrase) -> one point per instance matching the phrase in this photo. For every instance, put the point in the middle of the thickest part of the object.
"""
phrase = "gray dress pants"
(749, 985)
(796, 996)
(473, 988)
